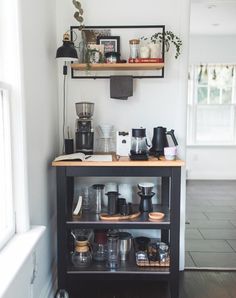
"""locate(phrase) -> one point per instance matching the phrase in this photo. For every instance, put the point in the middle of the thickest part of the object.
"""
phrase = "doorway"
(211, 159)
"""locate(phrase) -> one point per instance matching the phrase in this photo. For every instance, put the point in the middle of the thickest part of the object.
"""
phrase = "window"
(211, 105)
(7, 222)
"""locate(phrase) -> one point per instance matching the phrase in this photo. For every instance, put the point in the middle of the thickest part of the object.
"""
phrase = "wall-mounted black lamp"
(66, 53)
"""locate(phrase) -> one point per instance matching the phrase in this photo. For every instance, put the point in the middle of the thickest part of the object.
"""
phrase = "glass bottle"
(98, 197)
(113, 260)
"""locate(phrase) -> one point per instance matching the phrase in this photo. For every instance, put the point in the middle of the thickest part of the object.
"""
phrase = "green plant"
(90, 57)
(169, 38)
(78, 15)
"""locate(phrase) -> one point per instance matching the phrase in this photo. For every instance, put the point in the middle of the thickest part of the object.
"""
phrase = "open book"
(82, 157)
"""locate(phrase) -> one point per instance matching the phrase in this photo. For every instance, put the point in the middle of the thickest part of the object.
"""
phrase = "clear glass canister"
(113, 258)
(134, 48)
(100, 245)
(98, 189)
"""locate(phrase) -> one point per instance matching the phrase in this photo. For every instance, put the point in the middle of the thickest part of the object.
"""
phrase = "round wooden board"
(105, 216)
(156, 215)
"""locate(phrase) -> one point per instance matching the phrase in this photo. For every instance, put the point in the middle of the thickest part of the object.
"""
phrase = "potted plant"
(168, 38)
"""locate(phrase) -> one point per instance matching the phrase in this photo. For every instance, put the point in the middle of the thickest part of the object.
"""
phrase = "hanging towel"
(121, 87)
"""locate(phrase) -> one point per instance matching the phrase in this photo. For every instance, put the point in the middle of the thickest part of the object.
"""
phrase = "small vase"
(155, 50)
(144, 52)
(82, 48)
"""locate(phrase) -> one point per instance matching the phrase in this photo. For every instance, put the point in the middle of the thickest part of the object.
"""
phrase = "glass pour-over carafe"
(139, 145)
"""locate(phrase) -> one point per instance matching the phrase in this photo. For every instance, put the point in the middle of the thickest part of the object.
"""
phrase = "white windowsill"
(212, 145)
(14, 254)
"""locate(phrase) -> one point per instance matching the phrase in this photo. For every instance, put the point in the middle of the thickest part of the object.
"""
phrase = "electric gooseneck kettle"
(159, 140)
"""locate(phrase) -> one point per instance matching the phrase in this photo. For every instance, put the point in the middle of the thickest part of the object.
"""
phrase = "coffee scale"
(84, 133)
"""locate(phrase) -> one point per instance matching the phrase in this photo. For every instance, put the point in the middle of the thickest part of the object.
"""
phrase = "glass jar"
(82, 256)
(100, 246)
(113, 259)
(134, 48)
(164, 252)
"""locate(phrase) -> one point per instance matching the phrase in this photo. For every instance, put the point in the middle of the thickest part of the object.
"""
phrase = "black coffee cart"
(170, 173)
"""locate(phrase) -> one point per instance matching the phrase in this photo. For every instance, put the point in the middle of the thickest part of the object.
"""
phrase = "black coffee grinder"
(84, 134)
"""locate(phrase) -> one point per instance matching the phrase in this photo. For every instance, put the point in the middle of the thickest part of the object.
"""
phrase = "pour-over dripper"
(146, 202)
(105, 138)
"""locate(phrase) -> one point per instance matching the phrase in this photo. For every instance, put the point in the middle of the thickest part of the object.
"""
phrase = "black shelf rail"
(72, 32)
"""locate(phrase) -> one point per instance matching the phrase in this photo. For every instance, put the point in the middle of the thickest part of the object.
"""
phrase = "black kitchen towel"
(121, 87)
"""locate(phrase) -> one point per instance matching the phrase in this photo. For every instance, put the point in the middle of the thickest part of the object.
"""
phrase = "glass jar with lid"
(134, 48)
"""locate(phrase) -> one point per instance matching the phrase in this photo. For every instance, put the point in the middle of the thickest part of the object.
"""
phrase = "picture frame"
(111, 43)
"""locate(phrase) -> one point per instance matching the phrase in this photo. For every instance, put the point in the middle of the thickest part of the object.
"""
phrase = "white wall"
(156, 102)
(209, 162)
(41, 109)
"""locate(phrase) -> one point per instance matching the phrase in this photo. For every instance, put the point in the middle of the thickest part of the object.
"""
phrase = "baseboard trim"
(49, 290)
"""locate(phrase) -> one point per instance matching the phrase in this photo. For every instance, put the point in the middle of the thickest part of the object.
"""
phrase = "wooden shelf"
(91, 220)
(118, 66)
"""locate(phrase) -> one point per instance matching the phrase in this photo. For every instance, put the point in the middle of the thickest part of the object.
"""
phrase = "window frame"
(8, 206)
(193, 107)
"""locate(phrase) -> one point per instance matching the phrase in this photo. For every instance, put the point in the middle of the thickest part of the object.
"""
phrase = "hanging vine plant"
(78, 15)
(168, 38)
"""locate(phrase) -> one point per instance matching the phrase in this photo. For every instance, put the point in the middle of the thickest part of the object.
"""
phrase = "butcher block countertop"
(121, 162)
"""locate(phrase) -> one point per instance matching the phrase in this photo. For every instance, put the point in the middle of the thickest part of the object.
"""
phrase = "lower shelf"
(123, 269)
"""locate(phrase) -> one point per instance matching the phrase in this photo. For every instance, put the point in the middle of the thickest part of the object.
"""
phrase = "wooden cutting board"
(105, 216)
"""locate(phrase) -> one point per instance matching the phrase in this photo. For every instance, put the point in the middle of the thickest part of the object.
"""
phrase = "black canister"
(112, 202)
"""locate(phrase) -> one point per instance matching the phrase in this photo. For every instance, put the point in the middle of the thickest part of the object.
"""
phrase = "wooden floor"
(193, 284)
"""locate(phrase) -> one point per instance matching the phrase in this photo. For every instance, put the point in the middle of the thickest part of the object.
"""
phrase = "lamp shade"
(67, 51)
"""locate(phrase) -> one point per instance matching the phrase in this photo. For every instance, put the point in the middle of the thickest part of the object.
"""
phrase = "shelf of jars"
(127, 266)
(117, 66)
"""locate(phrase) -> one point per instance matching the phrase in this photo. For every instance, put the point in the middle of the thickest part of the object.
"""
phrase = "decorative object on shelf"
(155, 50)
(169, 38)
(134, 48)
(94, 54)
(144, 48)
(156, 215)
(112, 57)
(67, 53)
(78, 15)
(121, 87)
(111, 43)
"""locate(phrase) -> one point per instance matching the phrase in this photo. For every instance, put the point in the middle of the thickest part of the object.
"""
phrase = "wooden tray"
(105, 216)
(152, 264)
